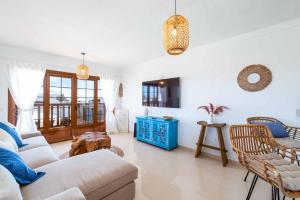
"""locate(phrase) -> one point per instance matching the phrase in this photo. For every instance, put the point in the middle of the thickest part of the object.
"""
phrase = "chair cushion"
(288, 142)
(13, 134)
(9, 188)
(290, 173)
(96, 174)
(38, 157)
(34, 142)
(277, 130)
(14, 163)
(6, 141)
(269, 156)
(70, 194)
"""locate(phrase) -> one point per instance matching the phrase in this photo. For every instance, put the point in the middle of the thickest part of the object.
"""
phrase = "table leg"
(222, 147)
(200, 141)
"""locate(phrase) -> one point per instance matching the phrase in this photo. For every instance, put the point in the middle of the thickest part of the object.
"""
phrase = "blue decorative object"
(278, 131)
(14, 163)
(13, 133)
(157, 131)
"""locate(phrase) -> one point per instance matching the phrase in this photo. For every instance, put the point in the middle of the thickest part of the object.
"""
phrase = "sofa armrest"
(29, 135)
(70, 194)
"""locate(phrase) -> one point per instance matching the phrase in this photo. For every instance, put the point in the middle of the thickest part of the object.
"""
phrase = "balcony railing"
(60, 114)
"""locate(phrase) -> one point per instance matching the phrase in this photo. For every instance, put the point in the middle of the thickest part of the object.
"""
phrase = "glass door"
(58, 106)
(101, 105)
(85, 102)
(60, 101)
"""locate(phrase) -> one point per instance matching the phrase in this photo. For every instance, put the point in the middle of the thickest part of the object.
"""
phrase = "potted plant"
(212, 110)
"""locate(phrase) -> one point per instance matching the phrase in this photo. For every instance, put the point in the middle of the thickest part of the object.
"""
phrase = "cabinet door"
(143, 130)
(160, 134)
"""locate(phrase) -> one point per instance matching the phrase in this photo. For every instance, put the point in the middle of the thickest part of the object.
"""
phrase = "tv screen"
(162, 93)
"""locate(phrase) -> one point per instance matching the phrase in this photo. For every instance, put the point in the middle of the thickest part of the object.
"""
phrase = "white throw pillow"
(8, 141)
(10, 125)
(7, 145)
(9, 188)
(13, 127)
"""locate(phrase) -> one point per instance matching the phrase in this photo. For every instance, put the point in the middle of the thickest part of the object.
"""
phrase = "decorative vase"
(210, 119)
(146, 112)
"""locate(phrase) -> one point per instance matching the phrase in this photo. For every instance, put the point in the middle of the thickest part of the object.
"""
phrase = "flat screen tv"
(162, 93)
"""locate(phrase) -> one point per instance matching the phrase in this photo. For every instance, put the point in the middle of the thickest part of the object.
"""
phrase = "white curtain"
(25, 81)
(109, 89)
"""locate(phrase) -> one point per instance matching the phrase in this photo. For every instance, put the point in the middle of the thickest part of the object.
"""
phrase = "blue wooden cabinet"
(157, 131)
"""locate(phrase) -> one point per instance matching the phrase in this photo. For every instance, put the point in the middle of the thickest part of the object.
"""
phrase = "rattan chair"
(290, 145)
(256, 151)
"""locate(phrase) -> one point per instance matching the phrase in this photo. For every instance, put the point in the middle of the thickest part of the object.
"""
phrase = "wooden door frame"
(46, 103)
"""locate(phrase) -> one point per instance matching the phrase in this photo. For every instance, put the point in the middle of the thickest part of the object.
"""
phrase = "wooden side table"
(221, 147)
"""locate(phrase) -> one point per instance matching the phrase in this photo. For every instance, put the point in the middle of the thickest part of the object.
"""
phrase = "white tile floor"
(177, 175)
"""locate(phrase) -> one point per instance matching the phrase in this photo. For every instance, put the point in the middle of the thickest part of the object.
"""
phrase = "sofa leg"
(252, 187)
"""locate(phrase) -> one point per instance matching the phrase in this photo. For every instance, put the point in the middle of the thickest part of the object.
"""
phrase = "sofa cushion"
(70, 194)
(6, 141)
(9, 188)
(13, 134)
(96, 174)
(32, 134)
(34, 142)
(38, 157)
(18, 168)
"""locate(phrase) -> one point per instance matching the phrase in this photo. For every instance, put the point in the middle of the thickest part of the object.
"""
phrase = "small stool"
(221, 148)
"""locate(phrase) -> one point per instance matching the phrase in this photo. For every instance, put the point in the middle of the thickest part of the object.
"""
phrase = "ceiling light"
(82, 71)
(176, 34)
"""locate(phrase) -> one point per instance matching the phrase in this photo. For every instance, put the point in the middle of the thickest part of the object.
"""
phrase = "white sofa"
(93, 176)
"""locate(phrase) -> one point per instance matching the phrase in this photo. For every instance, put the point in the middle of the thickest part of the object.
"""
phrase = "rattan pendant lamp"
(176, 34)
(82, 71)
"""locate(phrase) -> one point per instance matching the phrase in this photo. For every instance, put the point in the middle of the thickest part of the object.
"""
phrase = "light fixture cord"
(83, 54)
(175, 14)
(175, 8)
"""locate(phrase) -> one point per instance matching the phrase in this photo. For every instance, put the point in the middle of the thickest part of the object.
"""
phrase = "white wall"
(209, 74)
(53, 62)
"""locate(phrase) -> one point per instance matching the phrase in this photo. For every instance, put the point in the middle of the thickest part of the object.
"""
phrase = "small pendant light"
(176, 34)
(83, 71)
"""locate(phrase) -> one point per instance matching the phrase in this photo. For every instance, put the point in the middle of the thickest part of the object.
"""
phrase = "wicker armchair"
(290, 145)
(256, 150)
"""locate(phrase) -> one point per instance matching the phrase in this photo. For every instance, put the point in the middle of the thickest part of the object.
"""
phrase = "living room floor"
(177, 175)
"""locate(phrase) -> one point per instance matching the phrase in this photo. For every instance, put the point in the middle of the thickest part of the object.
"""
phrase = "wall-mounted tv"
(162, 93)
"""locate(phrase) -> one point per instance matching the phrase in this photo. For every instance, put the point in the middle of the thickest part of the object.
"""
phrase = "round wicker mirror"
(254, 78)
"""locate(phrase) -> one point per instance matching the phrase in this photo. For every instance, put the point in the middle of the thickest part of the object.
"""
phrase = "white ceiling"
(125, 32)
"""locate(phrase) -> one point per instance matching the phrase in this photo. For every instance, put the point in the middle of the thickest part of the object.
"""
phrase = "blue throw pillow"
(14, 163)
(13, 134)
(278, 131)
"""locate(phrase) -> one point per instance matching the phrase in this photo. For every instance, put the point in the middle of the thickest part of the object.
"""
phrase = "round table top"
(214, 125)
(114, 149)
